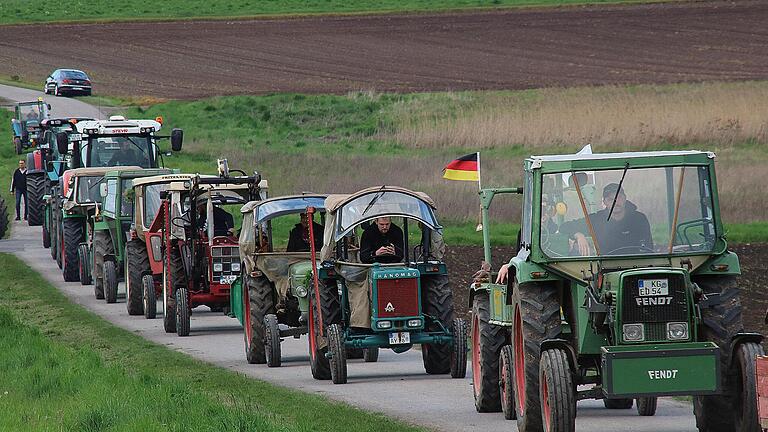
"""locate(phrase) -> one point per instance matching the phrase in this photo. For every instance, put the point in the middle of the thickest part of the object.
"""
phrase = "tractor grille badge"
(389, 307)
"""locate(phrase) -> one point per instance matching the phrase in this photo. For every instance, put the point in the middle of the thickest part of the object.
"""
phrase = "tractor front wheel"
(745, 395)
(557, 392)
(646, 406)
(149, 296)
(46, 236)
(136, 266)
(34, 200)
(102, 245)
(318, 362)
(459, 351)
(110, 281)
(183, 312)
(272, 340)
(487, 341)
(536, 318)
(506, 385)
(73, 235)
(171, 282)
(371, 355)
(338, 353)
(83, 262)
(260, 297)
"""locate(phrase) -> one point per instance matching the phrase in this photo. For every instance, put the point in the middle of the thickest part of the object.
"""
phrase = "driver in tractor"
(33, 114)
(223, 222)
(298, 239)
(382, 242)
(127, 155)
(620, 231)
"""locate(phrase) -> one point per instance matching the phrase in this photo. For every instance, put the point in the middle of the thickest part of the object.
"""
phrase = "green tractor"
(276, 289)
(81, 196)
(622, 289)
(116, 252)
(369, 296)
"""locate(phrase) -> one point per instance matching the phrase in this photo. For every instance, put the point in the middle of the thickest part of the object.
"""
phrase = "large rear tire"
(35, 192)
(438, 302)
(73, 235)
(557, 392)
(183, 312)
(487, 341)
(261, 302)
(110, 281)
(536, 318)
(149, 296)
(136, 267)
(338, 354)
(272, 340)
(721, 316)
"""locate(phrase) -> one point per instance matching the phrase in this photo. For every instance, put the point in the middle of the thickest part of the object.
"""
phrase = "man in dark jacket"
(381, 242)
(627, 231)
(298, 239)
(19, 185)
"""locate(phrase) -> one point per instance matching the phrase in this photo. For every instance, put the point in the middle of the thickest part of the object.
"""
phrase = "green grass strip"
(64, 368)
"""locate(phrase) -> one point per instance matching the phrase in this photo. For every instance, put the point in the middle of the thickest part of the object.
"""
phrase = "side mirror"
(76, 157)
(103, 189)
(177, 137)
(49, 106)
(62, 142)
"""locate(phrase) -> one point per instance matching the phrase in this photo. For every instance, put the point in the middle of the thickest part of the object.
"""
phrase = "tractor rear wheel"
(745, 395)
(487, 341)
(338, 353)
(536, 319)
(46, 237)
(59, 242)
(110, 281)
(136, 266)
(3, 217)
(331, 313)
(83, 263)
(371, 355)
(183, 312)
(557, 392)
(149, 296)
(459, 351)
(73, 235)
(646, 406)
(618, 403)
(506, 385)
(261, 302)
(721, 316)
(438, 302)
(34, 200)
(171, 282)
(272, 340)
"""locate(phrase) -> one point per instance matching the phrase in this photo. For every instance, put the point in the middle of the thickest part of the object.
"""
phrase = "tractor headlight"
(235, 267)
(218, 267)
(633, 332)
(384, 324)
(677, 331)
(414, 322)
(301, 291)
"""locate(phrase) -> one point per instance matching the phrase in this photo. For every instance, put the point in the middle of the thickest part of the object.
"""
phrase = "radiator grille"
(225, 257)
(655, 316)
(397, 297)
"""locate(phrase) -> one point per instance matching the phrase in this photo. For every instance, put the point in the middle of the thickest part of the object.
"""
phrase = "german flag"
(464, 168)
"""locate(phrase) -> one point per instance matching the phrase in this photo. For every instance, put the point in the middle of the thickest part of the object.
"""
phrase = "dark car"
(67, 81)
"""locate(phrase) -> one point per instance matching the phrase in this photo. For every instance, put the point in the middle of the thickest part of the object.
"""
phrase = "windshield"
(627, 212)
(152, 201)
(88, 190)
(126, 204)
(118, 151)
(384, 203)
(274, 209)
(32, 113)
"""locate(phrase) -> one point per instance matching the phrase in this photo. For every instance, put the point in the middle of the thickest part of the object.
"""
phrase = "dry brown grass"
(619, 118)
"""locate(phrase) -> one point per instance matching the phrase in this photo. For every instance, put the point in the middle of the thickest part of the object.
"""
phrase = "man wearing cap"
(621, 231)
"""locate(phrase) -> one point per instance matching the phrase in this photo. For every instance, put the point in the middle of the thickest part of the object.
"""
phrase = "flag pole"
(479, 179)
(479, 226)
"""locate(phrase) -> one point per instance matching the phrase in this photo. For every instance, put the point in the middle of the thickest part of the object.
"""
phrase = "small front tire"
(646, 406)
(459, 351)
(338, 353)
(272, 340)
(149, 297)
(371, 355)
(110, 282)
(183, 312)
(506, 385)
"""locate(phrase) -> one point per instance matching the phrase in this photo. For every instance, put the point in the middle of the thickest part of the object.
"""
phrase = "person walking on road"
(19, 185)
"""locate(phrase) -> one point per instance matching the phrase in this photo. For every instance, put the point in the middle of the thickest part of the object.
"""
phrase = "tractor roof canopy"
(117, 126)
(269, 209)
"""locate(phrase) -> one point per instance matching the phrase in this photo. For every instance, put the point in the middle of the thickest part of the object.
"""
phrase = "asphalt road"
(60, 106)
(396, 385)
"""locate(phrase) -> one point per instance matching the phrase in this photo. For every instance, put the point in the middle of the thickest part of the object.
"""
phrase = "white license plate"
(397, 338)
(653, 287)
(75, 137)
(77, 88)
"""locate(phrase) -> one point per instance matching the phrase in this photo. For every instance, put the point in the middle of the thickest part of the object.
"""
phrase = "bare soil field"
(504, 49)
(464, 261)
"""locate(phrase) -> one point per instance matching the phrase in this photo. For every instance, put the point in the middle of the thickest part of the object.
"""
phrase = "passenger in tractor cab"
(381, 242)
(223, 222)
(298, 239)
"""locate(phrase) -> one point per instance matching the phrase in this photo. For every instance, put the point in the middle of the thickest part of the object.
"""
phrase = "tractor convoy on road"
(622, 287)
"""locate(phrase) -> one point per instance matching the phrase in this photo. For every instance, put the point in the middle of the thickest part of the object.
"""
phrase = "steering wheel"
(635, 247)
(683, 228)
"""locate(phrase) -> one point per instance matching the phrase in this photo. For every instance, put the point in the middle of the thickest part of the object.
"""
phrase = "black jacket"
(19, 181)
(631, 234)
(298, 240)
(222, 221)
(372, 239)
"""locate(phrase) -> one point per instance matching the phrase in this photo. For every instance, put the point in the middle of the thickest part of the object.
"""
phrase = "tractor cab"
(625, 257)
(383, 249)
(26, 123)
(117, 142)
(275, 252)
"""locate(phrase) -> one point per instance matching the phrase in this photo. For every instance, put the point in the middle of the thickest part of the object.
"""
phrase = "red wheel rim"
(476, 355)
(311, 331)
(519, 360)
(545, 400)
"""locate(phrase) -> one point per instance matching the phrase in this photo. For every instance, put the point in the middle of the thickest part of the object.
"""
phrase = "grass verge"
(118, 381)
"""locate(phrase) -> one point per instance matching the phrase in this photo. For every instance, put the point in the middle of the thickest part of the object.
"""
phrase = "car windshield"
(627, 212)
(74, 75)
(88, 190)
(274, 209)
(383, 203)
(119, 151)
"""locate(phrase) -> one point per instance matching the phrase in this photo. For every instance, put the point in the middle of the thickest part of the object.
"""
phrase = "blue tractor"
(26, 123)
